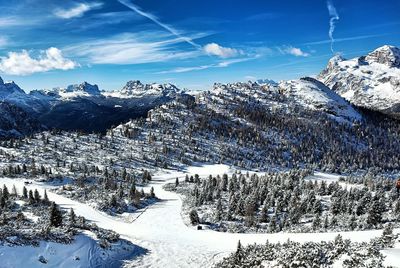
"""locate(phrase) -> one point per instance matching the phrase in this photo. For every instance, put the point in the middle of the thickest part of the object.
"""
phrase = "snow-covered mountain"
(266, 82)
(84, 107)
(314, 95)
(9, 89)
(70, 92)
(306, 93)
(135, 89)
(371, 81)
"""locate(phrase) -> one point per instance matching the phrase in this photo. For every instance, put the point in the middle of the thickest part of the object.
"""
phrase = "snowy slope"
(306, 93)
(315, 95)
(84, 252)
(371, 81)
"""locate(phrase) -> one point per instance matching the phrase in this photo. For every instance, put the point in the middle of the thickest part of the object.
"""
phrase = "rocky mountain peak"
(266, 82)
(136, 88)
(133, 85)
(84, 87)
(388, 55)
(8, 88)
(371, 81)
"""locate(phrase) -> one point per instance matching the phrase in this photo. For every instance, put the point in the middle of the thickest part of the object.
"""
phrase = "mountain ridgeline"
(81, 107)
(343, 93)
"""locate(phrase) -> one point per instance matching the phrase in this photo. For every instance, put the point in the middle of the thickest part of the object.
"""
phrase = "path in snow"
(170, 242)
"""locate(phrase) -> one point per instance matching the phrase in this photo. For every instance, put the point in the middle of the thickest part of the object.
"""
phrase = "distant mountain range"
(84, 107)
(371, 82)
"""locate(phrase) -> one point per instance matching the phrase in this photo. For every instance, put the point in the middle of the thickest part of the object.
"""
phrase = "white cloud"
(21, 63)
(220, 51)
(221, 64)
(293, 51)
(76, 11)
(138, 48)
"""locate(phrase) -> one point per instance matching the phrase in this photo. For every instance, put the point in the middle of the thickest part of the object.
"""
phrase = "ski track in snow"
(170, 243)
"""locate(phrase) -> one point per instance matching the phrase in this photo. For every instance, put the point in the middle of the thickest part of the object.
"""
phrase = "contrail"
(334, 17)
(135, 8)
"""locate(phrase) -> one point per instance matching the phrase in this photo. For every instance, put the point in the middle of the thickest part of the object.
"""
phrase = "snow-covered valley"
(160, 235)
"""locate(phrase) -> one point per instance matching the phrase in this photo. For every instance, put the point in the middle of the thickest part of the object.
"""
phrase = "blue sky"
(44, 44)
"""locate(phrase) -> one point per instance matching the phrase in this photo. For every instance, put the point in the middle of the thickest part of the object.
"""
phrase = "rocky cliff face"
(371, 81)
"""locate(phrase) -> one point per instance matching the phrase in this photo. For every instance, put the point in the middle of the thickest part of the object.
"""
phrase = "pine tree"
(132, 191)
(5, 192)
(31, 198)
(120, 192)
(36, 196)
(45, 197)
(72, 217)
(25, 192)
(2, 202)
(375, 212)
(176, 182)
(113, 201)
(238, 254)
(317, 207)
(152, 194)
(14, 191)
(124, 174)
(272, 227)
(316, 222)
(219, 210)
(353, 222)
(264, 214)
(55, 215)
(194, 217)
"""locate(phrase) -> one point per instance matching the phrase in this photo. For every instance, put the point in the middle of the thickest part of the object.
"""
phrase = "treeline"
(289, 201)
(337, 253)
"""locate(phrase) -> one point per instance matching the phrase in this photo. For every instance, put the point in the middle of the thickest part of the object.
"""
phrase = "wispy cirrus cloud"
(76, 11)
(13, 21)
(360, 37)
(22, 63)
(134, 48)
(156, 20)
(108, 18)
(263, 16)
(221, 64)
